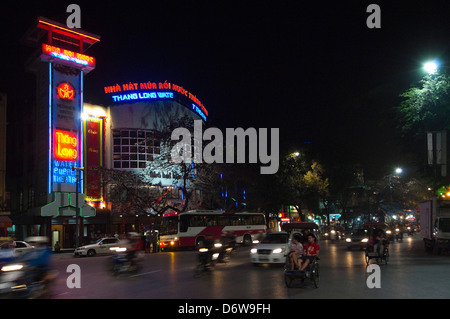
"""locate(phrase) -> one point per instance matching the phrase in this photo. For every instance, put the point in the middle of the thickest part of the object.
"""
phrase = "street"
(409, 273)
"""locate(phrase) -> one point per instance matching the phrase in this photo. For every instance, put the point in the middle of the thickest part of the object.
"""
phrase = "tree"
(426, 108)
(303, 181)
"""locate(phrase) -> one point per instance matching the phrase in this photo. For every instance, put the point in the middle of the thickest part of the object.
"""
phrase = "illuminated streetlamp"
(430, 67)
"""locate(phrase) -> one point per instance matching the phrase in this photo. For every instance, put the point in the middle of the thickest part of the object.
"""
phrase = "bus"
(189, 229)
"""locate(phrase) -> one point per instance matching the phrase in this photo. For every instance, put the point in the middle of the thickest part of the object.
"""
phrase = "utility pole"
(78, 228)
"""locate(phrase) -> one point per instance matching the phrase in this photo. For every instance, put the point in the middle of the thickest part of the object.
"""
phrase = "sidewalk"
(63, 253)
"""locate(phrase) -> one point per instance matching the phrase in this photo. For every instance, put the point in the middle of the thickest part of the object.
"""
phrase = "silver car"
(358, 238)
(100, 247)
(271, 250)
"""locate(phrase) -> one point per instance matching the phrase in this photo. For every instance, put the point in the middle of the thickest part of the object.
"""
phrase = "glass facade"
(133, 148)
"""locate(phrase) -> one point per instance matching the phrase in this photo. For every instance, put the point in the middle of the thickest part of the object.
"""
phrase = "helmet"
(37, 239)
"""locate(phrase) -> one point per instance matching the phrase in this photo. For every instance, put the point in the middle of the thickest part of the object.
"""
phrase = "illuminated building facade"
(49, 191)
(56, 188)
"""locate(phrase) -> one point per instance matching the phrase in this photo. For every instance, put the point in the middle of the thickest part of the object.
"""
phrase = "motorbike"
(225, 253)
(120, 264)
(17, 282)
(409, 230)
(398, 234)
(207, 259)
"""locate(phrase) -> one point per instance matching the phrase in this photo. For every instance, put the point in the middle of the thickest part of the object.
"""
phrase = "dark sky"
(312, 68)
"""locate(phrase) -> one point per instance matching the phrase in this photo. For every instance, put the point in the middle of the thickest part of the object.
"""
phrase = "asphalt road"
(410, 273)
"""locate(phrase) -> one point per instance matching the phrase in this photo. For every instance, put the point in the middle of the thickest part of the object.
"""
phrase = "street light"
(77, 212)
(398, 170)
(430, 67)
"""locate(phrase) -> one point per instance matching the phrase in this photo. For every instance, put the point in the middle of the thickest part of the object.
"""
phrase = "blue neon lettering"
(142, 96)
(62, 172)
(197, 110)
(68, 58)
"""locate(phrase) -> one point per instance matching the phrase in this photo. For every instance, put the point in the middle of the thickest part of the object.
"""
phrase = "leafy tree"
(304, 182)
(427, 107)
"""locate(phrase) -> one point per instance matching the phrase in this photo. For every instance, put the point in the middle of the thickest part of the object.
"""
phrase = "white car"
(100, 247)
(18, 247)
(271, 250)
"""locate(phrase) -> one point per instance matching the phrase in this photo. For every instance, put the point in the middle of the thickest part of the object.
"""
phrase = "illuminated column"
(60, 70)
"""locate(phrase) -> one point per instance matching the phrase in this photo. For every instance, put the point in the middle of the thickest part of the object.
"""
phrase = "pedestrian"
(155, 247)
(148, 241)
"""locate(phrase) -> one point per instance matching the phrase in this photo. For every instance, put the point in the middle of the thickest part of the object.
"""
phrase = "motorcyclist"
(400, 231)
(135, 244)
(205, 257)
(38, 259)
(228, 241)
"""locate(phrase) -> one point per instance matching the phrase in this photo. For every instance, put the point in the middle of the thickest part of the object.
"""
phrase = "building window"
(133, 148)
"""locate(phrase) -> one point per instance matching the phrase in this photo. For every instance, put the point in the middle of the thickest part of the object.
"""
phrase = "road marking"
(145, 273)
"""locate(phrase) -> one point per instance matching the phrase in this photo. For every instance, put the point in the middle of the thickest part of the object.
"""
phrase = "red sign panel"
(65, 146)
(93, 158)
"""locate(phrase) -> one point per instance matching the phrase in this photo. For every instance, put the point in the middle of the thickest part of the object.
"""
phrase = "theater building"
(52, 177)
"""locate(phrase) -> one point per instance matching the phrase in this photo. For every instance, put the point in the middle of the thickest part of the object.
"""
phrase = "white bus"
(188, 229)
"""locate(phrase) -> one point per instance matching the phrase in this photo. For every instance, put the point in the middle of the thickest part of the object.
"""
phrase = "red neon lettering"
(49, 49)
(65, 146)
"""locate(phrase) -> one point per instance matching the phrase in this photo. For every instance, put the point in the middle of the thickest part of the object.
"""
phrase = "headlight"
(12, 267)
(333, 232)
(203, 250)
(217, 245)
(364, 240)
(253, 251)
(277, 250)
(118, 249)
(397, 229)
(388, 232)
(348, 240)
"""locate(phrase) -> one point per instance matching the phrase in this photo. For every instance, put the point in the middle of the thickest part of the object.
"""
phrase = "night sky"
(312, 68)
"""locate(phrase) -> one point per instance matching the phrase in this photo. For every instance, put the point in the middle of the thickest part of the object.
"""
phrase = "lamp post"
(398, 171)
(77, 211)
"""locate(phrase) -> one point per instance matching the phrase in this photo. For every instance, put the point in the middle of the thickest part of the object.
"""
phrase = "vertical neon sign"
(65, 109)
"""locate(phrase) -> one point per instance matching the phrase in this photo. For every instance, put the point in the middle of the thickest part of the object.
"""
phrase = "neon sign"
(65, 146)
(68, 56)
(65, 91)
(142, 96)
(63, 173)
(160, 90)
(199, 111)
